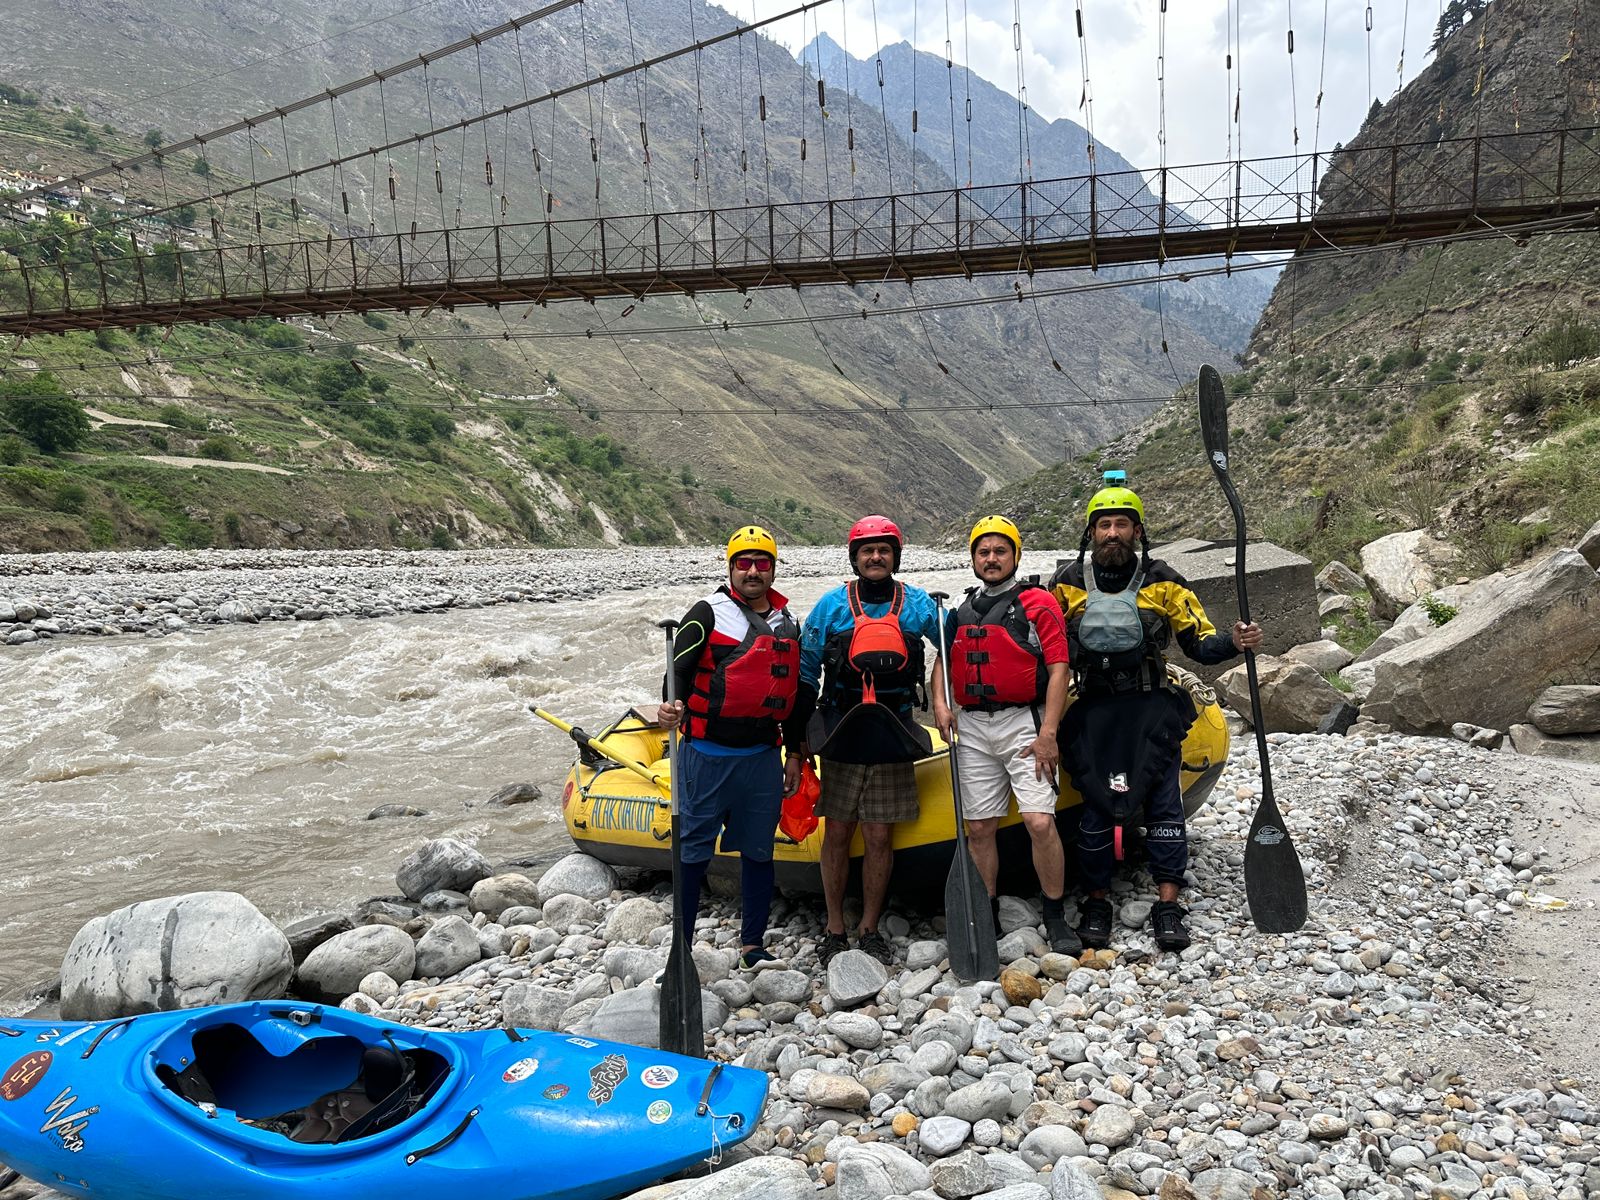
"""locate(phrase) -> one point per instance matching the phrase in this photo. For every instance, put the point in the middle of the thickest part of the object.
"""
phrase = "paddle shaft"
(600, 748)
(973, 953)
(682, 1024)
(1273, 877)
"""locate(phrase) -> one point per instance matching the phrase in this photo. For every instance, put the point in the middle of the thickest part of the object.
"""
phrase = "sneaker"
(1094, 929)
(758, 960)
(1167, 917)
(832, 945)
(1063, 938)
(875, 944)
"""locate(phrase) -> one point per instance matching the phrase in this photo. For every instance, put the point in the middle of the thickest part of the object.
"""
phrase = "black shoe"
(875, 944)
(833, 945)
(1167, 917)
(1062, 937)
(1094, 928)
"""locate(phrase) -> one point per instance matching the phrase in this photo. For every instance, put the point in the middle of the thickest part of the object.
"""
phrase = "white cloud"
(1122, 39)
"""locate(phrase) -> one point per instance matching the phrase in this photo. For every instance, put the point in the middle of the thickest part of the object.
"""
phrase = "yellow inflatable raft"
(623, 819)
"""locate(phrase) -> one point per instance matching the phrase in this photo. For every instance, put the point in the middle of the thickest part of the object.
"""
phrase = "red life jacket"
(743, 688)
(995, 659)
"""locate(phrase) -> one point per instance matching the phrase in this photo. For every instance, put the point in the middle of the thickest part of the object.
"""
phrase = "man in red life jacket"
(737, 660)
(863, 645)
(1008, 667)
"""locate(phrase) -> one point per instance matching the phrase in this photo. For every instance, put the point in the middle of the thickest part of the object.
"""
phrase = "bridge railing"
(749, 246)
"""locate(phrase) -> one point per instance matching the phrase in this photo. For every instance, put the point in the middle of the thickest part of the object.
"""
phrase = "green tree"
(334, 379)
(154, 138)
(44, 412)
(201, 167)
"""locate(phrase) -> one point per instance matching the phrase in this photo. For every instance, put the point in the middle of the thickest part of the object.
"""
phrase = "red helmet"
(876, 529)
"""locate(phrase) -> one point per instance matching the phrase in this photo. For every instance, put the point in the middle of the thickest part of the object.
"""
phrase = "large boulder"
(336, 968)
(1589, 546)
(450, 945)
(1321, 656)
(1567, 708)
(1400, 569)
(533, 1006)
(1491, 662)
(634, 1016)
(442, 864)
(492, 896)
(577, 875)
(176, 952)
(1294, 698)
(1579, 747)
(1339, 579)
(764, 1178)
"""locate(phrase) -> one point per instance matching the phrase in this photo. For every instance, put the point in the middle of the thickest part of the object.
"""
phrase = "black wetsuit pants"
(1166, 840)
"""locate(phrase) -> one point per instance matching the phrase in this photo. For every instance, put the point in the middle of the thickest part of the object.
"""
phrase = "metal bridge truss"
(1302, 202)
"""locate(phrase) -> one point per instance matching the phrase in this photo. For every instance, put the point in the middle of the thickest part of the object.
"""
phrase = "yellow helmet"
(1114, 500)
(752, 539)
(1004, 526)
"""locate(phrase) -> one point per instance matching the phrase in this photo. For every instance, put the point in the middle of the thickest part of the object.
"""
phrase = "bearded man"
(1122, 738)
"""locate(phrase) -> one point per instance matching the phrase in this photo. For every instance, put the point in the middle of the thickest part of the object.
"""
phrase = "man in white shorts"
(1008, 667)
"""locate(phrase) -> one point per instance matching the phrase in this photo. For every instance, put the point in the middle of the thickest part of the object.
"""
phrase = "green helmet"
(1115, 500)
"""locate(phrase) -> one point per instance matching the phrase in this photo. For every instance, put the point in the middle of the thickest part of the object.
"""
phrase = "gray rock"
(961, 1175)
(1580, 747)
(521, 914)
(236, 612)
(1534, 627)
(533, 1006)
(1020, 1191)
(954, 1030)
(443, 901)
(855, 977)
(176, 952)
(1016, 913)
(934, 1058)
(441, 864)
(306, 934)
(635, 919)
(516, 793)
(336, 968)
(856, 1030)
(906, 1174)
(577, 875)
(566, 910)
(770, 987)
(633, 963)
(987, 1099)
(1399, 569)
(634, 1016)
(384, 811)
(920, 955)
(1336, 577)
(1321, 656)
(494, 895)
(1567, 708)
(1110, 1125)
(1049, 1143)
(892, 1079)
(1135, 913)
(1022, 943)
(1223, 1183)
(450, 945)
(378, 986)
(826, 1090)
(1070, 1182)
(943, 1135)
(763, 1178)
(1336, 722)
(1589, 546)
(860, 1177)
(1294, 698)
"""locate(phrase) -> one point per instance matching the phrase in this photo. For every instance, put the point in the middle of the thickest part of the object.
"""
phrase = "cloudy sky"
(1122, 38)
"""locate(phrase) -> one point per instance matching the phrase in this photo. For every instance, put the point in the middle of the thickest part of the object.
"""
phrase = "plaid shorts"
(879, 792)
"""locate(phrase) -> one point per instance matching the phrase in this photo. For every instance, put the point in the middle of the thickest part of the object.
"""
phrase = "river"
(247, 757)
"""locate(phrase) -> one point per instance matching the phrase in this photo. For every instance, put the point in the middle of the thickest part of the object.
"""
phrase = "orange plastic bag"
(799, 817)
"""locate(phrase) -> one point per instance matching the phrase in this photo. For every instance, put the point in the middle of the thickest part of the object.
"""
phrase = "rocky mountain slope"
(915, 412)
(1454, 388)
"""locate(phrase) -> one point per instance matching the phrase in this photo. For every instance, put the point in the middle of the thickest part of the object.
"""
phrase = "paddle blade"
(682, 1022)
(969, 923)
(1274, 882)
(1214, 418)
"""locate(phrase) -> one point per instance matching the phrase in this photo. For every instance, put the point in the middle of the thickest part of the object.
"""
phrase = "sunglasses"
(747, 563)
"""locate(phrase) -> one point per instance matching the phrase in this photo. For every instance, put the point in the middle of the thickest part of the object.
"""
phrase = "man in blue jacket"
(862, 644)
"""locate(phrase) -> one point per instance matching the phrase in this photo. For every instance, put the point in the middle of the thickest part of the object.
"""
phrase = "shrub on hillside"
(44, 412)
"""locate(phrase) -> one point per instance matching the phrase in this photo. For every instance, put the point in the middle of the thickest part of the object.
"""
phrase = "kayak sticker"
(49, 1035)
(1118, 782)
(659, 1112)
(1268, 835)
(24, 1074)
(520, 1070)
(68, 1126)
(584, 1042)
(605, 1077)
(623, 814)
(659, 1076)
(556, 1091)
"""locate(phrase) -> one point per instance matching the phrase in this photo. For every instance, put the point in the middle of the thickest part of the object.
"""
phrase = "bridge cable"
(640, 82)
(916, 74)
(883, 105)
(1161, 145)
(1405, 33)
(761, 84)
(966, 53)
(950, 84)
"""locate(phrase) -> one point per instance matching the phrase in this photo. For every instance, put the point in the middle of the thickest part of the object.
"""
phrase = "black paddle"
(1274, 881)
(682, 1023)
(969, 922)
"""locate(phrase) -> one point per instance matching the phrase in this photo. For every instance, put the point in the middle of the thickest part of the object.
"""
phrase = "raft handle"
(99, 1037)
(7, 1031)
(300, 1016)
(511, 1033)
(704, 1106)
(442, 1143)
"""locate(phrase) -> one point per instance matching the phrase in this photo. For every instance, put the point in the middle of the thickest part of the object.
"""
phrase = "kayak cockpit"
(290, 1076)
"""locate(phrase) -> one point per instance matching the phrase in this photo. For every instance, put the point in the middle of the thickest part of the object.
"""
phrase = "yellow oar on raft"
(663, 784)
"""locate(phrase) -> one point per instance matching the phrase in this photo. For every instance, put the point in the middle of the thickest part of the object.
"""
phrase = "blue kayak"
(286, 1100)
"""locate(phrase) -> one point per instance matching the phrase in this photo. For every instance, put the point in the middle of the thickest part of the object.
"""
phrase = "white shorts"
(990, 760)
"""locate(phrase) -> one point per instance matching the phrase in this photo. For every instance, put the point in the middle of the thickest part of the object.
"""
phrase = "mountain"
(918, 412)
(1452, 388)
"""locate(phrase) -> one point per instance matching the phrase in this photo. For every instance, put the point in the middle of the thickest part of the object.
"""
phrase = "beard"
(1113, 554)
